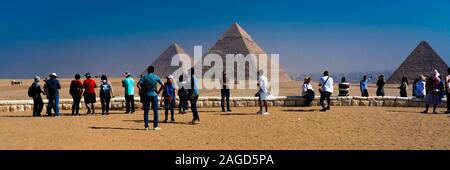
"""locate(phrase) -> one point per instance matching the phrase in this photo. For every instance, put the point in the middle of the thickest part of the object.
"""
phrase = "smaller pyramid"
(162, 64)
(423, 60)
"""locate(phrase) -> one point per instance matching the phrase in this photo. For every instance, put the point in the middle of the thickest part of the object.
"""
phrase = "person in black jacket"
(35, 92)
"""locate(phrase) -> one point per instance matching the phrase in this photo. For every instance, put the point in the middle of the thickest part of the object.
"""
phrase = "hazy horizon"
(112, 37)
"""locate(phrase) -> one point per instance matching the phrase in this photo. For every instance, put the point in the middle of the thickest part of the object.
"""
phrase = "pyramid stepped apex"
(422, 60)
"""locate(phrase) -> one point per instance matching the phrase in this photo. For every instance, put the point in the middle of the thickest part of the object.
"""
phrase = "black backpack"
(75, 89)
(31, 91)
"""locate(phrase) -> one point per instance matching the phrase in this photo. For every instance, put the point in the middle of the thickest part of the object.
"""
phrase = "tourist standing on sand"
(343, 87)
(363, 86)
(403, 87)
(326, 90)
(128, 85)
(420, 87)
(308, 91)
(380, 86)
(35, 92)
(89, 86)
(106, 93)
(263, 93)
(447, 87)
(225, 92)
(169, 97)
(433, 96)
(148, 85)
(53, 87)
(193, 97)
(182, 95)
(76, 91)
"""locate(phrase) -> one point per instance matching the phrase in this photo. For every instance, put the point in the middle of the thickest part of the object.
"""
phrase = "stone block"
(199, 104)
(208, 103)
(20, 108)
(66, 107)
(346, 102)
(217, 104)
(278, 103)
(251, 103)
(364, 103)
(240, 104)
(13, 108)
(355, 102)
(5, 108)
(376, 103)
(28, 107)
(389, 103)
(335, 103)
(290, 103)
(401, 103)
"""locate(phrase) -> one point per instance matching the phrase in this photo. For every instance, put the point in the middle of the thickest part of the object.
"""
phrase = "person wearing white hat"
(169, 96)
(128, 85)
(53, 87)
(35, 92)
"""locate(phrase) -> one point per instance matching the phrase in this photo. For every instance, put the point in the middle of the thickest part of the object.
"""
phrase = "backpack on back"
(168, 90)
(75, 89)
(106, 88)
(31, 91)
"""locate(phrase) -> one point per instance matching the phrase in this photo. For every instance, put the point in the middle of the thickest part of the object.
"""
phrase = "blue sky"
(110, 37)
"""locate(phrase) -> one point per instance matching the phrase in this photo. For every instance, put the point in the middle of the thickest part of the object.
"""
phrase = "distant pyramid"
(423, 60)
(162, 64)
(237, 41)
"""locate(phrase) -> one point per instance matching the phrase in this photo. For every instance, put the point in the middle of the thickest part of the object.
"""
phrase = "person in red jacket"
(76, 90)
(89, 93)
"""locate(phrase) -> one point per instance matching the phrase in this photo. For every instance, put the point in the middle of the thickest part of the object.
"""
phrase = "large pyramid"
(163, 65)
(237, 41)
(423, 60)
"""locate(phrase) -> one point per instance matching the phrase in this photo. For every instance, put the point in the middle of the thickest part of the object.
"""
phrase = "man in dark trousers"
(193, 97)
(225, 92)
(35, 92)
(128, 85)
(76, 91)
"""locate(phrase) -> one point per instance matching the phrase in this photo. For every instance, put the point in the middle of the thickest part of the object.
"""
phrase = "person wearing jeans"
(148, 85)
(146, 106)
(53, 87)
(169, 97)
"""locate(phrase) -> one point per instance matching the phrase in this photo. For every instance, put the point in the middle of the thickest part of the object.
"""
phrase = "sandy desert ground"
(286, 128)
(293, 88)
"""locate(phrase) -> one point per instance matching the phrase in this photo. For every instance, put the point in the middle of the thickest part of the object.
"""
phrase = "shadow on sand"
(300, 110)
(113, 128)
(236, 114)
(151, 121)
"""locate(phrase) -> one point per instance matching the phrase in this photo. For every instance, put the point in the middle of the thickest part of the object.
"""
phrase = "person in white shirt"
(326, 89)
(307, 91)
(262, 93)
